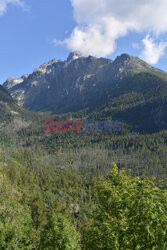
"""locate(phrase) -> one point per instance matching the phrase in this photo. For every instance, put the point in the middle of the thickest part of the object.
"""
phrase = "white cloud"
(4, 4)
(101, 22)
(97, 39)
(152, 50)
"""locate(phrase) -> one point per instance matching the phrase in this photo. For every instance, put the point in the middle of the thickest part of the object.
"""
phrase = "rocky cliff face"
(53, 85)
(13, 117)
(77, 83)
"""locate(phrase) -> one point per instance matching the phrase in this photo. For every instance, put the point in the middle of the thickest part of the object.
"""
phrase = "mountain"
(12, 117)
(126, 88)
(57, 86)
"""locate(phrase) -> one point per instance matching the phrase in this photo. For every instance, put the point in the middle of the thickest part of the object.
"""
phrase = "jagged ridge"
(121, 86)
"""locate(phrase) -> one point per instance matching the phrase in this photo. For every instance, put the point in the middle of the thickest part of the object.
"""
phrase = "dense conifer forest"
(87, 189)
(82, 190)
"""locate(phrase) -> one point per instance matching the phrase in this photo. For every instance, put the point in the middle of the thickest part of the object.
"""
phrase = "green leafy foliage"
(16, 230)
(130, 213)
(47, 194)
(60, 234)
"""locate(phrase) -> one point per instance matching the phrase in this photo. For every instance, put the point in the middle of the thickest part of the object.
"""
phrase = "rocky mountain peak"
(74, 55)
(62, 86)
(124, 58)
(13, 81)
(50, 63)
(131, 62)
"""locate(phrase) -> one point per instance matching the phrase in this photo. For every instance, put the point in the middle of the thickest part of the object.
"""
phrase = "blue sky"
(36, 31)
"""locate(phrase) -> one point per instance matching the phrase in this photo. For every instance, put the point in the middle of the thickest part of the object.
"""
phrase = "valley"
(63, 190)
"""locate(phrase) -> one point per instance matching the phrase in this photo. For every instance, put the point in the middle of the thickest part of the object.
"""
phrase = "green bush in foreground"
(16, 229)
(131, 213)
(59, 234)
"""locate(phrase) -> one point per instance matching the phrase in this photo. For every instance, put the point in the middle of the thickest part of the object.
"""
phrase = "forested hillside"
(51, 189)
(86, 189)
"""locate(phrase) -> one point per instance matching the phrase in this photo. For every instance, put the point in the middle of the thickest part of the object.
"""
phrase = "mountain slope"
(127, 89)
(54, 84)
(70, 85)
(12, 117)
